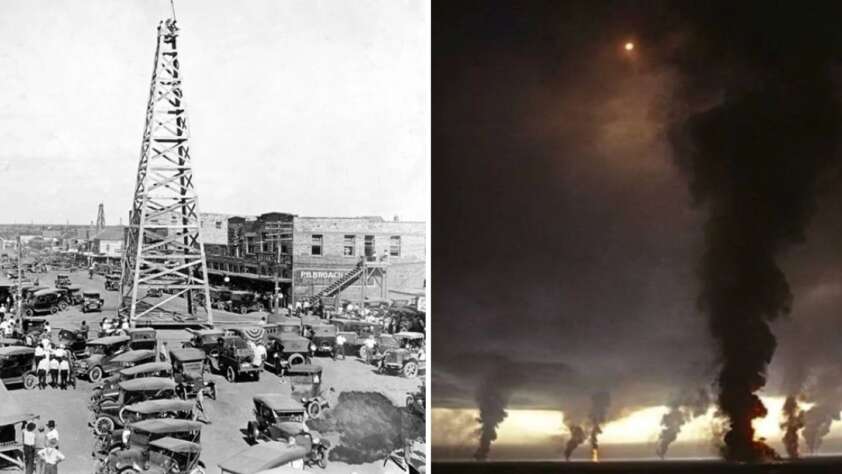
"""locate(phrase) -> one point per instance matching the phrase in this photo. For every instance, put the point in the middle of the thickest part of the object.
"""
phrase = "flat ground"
(221, 439)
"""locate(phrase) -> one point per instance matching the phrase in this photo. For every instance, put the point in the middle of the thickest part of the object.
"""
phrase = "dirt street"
(229, 414)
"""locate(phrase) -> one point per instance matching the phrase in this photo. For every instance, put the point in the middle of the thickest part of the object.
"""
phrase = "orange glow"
(629, 46)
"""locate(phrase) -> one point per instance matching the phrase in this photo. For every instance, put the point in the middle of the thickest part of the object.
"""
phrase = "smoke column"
(492, 397)
(827, 396)
(753, 162)
(577, 437)
(681, 410)
(793, 420)
(599, 412)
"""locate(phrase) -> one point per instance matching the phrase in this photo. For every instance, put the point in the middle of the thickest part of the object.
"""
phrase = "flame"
(595, 455)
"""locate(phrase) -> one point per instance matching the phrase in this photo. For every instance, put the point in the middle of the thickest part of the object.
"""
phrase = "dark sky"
(566, 240)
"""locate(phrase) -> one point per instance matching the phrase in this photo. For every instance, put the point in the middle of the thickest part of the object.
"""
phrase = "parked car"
(244, 302)
(106, 415)
(75, 295)
(143, 338)
(220, 298)
(356, 333)
(144, 434)
(235, 359)
(98, 354)
(323, 336)
(109, 388)
(44, 301)
(17, 366)
(276, 416)
(188, 367)
(74, 341)
(112, 282)
(205, 339)
(163, 455)
(407, 359)
(91, 301)
(62, 280)
(11, 341)
(160, 418)
(268, 457)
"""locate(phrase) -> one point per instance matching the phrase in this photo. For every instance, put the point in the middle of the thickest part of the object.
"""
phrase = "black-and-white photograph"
(214, 236)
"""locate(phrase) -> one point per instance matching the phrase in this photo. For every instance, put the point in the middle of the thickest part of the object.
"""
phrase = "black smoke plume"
(577, 437)
(682, 409)
(598, 415)
(792, 422)
(754, 159)
(492, 397)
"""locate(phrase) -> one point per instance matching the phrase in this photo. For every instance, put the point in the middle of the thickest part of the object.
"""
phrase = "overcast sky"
(310, 107)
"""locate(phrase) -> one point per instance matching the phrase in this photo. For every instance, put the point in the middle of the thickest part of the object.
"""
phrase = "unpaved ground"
(229, 413)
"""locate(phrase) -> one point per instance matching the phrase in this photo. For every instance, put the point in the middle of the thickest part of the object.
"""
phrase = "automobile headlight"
(245, 365)
(312, 347)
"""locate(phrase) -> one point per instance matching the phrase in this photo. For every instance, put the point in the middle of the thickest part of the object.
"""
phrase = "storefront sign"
(318, 276)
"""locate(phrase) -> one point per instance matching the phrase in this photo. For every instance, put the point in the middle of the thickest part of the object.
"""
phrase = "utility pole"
(18, 301)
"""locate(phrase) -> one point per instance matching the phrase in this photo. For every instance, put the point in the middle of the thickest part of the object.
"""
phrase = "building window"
(316, 246)
(218, 224)
(395, 246)
(369, 248)
(349, 246)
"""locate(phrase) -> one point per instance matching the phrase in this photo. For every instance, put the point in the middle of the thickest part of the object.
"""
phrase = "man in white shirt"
(259, 354)
(52, 433)
(63, 372)
(60, 352)
(54, 372)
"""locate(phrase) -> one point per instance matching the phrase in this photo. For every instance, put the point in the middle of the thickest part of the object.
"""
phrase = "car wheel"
(323, 461)
(53, 309)
(122, 415)
(231, 375)
(295, 359)
(252, 432)
(84, 309)
(314, 410)
(410, 369)
(29, 313)
(62, 306)
(103, 425)
(365, 353)
(95, 374)
(30, 381)
(243, 310)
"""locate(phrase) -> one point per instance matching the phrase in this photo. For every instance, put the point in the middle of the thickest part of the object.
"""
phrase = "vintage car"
(143, 338)
(323, 336)
(274, 456)
(74, 294)
(62, 280)
(11, 341)
(235, 359)
(91, 301)
(144, 434)
(97, 359)
(106, 414)
(285, 346)
(17, 366)
(407, 359)
(356, 333)
(205, 339)
(171, 455)
(304, 378)
(277, 416)
(188, 367)
(220, 298)
(244, 302)
(74, 341)
(171, 417)
(109, 388)
(46, 301)
(112, 282)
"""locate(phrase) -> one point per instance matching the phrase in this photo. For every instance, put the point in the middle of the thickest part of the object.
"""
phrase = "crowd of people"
(41, 453)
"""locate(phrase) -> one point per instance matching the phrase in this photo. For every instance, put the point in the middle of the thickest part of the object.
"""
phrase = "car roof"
(409, 335)
(304, 368)
(279, 401)
(46, 291)
(263, 456)
(205, 332)
(166, 425)
(287, 336)
(187, 354)
(16, 350)
(108, 340)
(74, 287)
(176, 445)
(146, 367)
(155, 406)
(147, 383)
(90, 293)
(6, 340)
(130, 356)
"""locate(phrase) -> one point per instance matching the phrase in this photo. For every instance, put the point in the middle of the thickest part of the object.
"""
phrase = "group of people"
(114, 326)
(55, 361)
(40, 448)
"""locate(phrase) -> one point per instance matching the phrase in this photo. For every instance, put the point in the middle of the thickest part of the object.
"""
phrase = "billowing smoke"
(492, 397)
(792, 422)
(827, 398)
(753, 161)
(577, 437)
(598, 415)
(682, 409)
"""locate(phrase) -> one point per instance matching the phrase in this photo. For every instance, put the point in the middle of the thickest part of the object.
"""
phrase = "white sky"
(311, 107)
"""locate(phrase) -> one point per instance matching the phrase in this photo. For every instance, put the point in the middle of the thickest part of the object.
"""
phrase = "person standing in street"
(54, 372)
(29, 448)
(40, 443)
(199, 408)
(51, 457)
(43, 368)
(52, 433)
(63, 372)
